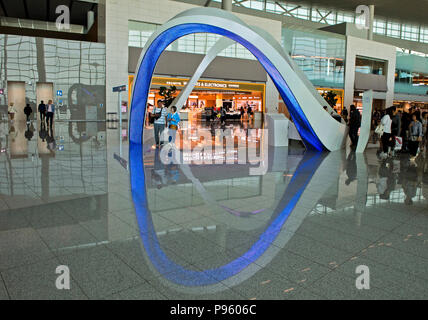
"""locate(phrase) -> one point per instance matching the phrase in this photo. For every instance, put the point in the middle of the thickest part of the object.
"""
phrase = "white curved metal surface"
(330, 132)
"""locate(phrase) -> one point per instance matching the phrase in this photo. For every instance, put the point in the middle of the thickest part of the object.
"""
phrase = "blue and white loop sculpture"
(318, 130)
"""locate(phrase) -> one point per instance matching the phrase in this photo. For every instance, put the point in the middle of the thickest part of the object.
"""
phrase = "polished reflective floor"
(196, 222)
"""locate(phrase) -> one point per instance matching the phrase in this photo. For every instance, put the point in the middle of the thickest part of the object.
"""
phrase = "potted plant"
(167, 94)
(330, 97)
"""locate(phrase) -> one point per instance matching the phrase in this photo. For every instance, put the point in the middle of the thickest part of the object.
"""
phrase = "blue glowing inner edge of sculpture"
(148, 63)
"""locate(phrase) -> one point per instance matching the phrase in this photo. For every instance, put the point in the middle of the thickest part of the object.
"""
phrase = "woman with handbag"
(173, 121)
(416, 134)
(386, 138)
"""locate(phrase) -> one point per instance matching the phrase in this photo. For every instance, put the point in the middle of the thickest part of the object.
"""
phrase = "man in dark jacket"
(42, 111)
(396, 123)
(28, 111)
(405, 122)
(354, 124)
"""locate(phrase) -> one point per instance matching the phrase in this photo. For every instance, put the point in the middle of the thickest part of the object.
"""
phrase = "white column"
(116, 50)
(226, 5)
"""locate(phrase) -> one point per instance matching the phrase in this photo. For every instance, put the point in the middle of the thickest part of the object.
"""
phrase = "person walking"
(405, 121)
(42, 111)
(395, 127)
(159, 113)
(344, 114)
(386, 136)
(50, 112)
(396, 122)
(11, 111)
(424, 129)
(28, 111)
(354, 125)
(223, 115)
(416, 134)
(173, 119)
(250, 113)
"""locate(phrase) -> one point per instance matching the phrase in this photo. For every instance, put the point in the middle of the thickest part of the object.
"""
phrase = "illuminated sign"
(210, 84)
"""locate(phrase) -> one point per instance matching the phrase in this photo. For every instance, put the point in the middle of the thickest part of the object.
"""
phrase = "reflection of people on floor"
(29, 133)
(12, 133)
(11, 111)
(410, 183)
(43, 133)
(50, 112)
(51, 140)
(28, 111)
(351, 168)
(387, 180)
(2, 137)
(173, 174)
(158, 173)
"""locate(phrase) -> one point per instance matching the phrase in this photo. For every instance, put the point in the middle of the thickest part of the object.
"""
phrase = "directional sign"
(120, 88)
(59, 93)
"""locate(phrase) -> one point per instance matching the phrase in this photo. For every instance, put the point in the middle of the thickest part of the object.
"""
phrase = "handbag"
(379, 129)
(173, 127)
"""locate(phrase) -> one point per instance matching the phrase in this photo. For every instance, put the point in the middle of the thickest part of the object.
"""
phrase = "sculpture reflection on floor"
(182, 276)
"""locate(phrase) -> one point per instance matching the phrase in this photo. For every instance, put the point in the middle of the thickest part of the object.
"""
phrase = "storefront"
(406, 105)
(212, 94)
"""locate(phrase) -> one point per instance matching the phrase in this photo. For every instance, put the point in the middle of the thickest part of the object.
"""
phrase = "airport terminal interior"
(144, 160)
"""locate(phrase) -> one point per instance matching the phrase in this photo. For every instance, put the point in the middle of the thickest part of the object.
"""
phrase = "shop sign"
(207, 84)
